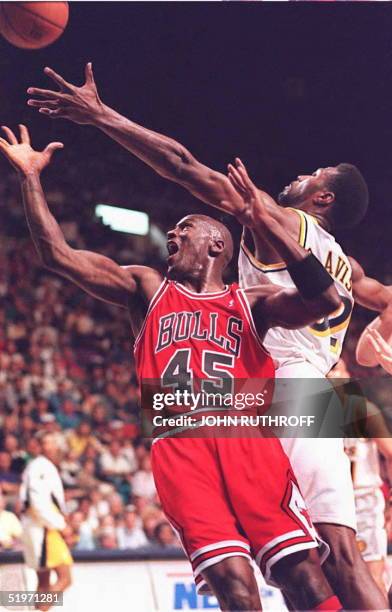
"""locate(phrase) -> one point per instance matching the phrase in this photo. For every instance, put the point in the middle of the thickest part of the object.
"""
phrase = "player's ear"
(324, 198)
(217, 246)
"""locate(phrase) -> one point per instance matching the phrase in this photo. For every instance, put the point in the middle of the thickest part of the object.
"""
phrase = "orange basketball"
(32, 25)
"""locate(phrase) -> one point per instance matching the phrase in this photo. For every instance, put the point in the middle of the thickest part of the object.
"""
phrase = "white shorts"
(320, 464)
(371, 535)
(43, 548)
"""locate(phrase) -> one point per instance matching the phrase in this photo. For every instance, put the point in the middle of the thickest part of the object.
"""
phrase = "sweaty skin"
(199, 250)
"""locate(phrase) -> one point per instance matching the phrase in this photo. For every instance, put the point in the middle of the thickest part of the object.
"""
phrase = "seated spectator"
(9, 479)
(10, 527)
(68, 415)
(69, 469)
(78, 439)
(143, 484)
(129, 533)
(83, 531)
(106, 536)
(114, 462)
(164, 536)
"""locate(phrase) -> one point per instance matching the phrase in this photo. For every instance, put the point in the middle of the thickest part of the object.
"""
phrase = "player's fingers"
(4, 142)
(45, 93)
(43, 103)
(53, 114)
(237, 186)
(58, 78)
(52, 147)
(24, 134)
(380, 340)
(234, 172)
(374, 343)
(242, 171)
(10, 135)
(88, 73)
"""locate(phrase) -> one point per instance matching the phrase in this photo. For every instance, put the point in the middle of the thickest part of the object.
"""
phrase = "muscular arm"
(289, 308)
(369, 292)
(95, 273)
(166, 156)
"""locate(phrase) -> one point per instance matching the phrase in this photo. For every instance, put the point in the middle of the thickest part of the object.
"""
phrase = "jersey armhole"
(280, 265)
(153, 302)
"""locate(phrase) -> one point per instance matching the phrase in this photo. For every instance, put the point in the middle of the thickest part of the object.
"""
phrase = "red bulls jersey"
(204, 334)
(200, 342)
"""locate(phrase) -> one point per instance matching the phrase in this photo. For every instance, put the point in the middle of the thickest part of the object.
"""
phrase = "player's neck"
(203, 285)
(321, 218)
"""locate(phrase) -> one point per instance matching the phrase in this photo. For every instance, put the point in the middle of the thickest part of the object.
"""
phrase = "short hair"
(351, 196)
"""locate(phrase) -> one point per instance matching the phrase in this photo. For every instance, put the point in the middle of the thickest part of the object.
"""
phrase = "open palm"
(21, 154)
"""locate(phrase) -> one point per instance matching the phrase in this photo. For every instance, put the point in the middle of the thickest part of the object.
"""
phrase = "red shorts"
(231, 497)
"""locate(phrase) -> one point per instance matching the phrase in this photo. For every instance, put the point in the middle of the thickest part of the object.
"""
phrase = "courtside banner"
(284, 407)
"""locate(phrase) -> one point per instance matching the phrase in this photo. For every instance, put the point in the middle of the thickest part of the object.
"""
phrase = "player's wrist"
(99, 115)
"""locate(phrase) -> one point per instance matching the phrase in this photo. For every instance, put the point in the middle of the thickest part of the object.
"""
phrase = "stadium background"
(288, 88)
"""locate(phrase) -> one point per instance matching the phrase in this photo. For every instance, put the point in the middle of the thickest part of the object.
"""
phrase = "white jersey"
(365, 463)
(321, 343)
(42, 494)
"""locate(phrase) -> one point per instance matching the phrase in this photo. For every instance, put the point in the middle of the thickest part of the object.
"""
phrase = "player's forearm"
(44, 229)
(171, 160)
(163, 154)
(266, 227)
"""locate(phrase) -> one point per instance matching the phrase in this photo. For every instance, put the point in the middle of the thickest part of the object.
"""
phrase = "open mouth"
(172, 248)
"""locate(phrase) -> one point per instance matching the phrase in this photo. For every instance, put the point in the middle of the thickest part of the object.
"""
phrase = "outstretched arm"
(167, 157)
(367, 291)
(315, 296)
(95, 273)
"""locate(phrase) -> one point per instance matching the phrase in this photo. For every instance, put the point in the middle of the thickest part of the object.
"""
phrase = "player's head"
(338, 193)
(49, 446)
(196, 245)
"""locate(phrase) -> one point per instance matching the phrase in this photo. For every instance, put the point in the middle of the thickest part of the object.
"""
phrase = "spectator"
(9, 479)
(164, 536)
(10, 527)
(129, 533)
(143, 481)
(78, 439)
(68, 416)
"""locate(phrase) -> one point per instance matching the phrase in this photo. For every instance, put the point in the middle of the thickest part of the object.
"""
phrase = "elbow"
(47, 258)
(328, 303)
(50, 256)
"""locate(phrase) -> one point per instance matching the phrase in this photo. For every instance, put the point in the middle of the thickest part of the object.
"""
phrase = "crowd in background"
(66, 367)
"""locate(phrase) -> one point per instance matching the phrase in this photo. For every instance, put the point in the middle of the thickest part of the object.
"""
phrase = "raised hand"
(21, 155)
(256, 200)
(79, 104)
(383, 351)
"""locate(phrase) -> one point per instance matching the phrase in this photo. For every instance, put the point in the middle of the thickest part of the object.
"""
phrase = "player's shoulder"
(148, 280)
(357, 270)
(40, 465)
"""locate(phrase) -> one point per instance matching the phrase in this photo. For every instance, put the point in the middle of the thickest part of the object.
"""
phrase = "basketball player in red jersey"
(329, 198)
(229, 499)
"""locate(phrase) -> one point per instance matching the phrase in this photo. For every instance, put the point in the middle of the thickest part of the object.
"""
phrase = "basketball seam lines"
(11, 26)
(56, 25)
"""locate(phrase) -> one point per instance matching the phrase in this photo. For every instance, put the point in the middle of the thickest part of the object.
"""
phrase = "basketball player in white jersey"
(372, 438)
(42, 497)
(312, 207)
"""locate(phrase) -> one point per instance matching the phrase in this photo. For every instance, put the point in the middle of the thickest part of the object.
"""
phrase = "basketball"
(33, 25)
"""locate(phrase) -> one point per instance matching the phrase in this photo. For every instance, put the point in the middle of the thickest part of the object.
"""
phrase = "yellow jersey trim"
(280, 265)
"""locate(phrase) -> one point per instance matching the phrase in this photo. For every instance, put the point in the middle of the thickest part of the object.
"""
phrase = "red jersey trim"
(248, 314)
(154, 301)
(202, 296)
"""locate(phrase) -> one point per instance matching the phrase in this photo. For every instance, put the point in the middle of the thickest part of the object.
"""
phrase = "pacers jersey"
(320, 343)
(202, 340)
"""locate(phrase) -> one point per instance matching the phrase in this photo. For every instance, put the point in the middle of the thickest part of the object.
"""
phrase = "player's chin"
(284, 197)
